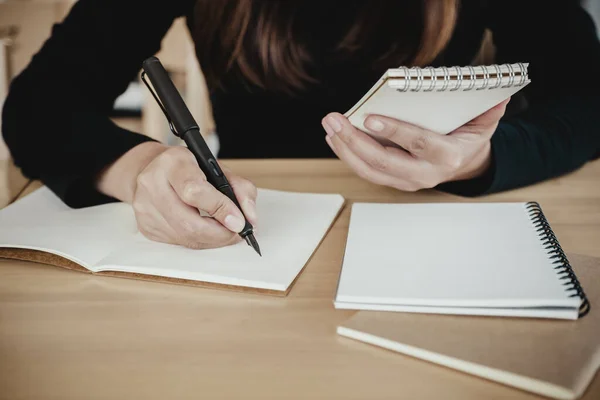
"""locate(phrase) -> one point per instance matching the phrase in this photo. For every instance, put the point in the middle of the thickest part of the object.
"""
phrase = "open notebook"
(104, 239)
(439, 99)
(499, 259)
(553, 358)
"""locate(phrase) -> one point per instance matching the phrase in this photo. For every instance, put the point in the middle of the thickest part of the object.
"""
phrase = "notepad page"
(447, 255)
(440, 112)
(291, 226)
(41, 221)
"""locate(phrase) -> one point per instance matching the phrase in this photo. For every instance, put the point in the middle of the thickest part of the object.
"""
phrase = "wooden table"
(67, 335)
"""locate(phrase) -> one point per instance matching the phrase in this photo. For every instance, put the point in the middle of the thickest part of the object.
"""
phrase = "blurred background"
(25, 25)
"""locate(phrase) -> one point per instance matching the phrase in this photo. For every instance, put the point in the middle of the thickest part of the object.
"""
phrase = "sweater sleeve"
(559, 129)
(55, 119)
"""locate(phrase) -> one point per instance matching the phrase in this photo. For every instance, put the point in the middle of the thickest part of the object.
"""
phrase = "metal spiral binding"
(434, 76)
(562, 265)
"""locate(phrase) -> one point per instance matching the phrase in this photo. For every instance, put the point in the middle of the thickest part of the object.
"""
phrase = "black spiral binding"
(562, 265)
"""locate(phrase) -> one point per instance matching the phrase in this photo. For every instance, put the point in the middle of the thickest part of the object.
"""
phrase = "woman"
(278, 71)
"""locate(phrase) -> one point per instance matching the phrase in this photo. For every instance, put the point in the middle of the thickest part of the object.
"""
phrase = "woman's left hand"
(424, 159)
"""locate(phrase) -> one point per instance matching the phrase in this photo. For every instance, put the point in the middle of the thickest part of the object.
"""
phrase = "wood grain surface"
(70, 335)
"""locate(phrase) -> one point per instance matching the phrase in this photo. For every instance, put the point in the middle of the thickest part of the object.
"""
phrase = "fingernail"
(251, 209)
(374, 124)
(234, 223)
(334, 124)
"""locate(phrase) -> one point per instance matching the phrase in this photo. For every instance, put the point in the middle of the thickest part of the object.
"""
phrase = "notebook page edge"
(573, 302)
(493, 374)
(586, 378)
(66, 256)
(200, 277)
(345, 251)
(553, 313)
(376, 86)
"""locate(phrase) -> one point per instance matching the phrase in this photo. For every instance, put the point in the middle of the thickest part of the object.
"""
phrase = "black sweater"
(56, 116)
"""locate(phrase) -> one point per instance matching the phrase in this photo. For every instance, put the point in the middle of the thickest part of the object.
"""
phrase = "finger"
(190, 184)
(365, 171)
(492, 115)
(191, 229)
(421, 143)
(389, 160)
(486, 123)
(163, 216)
(151, 223)
(246, 193)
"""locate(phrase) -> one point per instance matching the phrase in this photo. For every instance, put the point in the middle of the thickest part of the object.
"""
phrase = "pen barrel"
(172, 101)
(206, 160)
(186, 128)
(212, 170)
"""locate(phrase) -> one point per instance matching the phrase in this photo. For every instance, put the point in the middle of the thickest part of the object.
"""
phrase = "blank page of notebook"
(291, 227)
(105, 237)
(482, 255)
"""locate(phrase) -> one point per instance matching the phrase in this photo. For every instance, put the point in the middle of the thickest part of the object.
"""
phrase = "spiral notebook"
(439, 99)
(553, 358)
(495, 259)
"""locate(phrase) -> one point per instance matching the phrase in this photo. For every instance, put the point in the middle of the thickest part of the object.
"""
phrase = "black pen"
(184, 126)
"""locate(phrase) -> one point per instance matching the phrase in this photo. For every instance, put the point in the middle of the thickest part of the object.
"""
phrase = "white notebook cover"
(450, 258)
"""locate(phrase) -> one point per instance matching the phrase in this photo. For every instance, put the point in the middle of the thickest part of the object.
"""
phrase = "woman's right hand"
(169, 193)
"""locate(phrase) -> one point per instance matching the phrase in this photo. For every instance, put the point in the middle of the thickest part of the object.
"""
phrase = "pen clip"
(159, 104)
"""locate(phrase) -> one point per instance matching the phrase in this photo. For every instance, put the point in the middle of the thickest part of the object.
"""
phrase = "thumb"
(490, 117)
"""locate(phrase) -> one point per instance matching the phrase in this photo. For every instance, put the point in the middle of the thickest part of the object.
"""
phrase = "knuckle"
(419, 144)
(176, 155)
(246, 186)
(393, 131)
(347, 137)
(192, 192)
(144, 180)
(222, 206)
(379, 163)
(169, 155)
(218, 207)
(453, 161)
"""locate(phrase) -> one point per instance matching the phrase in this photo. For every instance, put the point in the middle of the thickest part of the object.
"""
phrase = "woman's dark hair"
(265, 41)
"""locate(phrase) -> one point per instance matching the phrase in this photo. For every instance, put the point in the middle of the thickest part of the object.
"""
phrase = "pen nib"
(251, 240)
